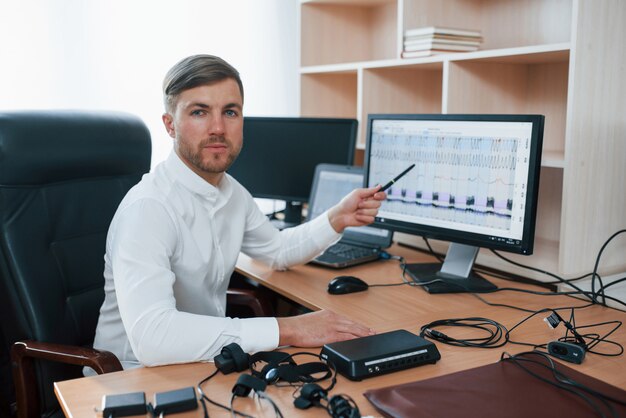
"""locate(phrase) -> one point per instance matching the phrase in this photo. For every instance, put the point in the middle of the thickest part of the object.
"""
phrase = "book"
(425, 53)
(444, 47)
(432, 30)
(443, 37)
(440, 41)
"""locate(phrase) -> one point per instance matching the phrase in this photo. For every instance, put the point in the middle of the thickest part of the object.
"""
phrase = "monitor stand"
(292, 216)
(454, 275)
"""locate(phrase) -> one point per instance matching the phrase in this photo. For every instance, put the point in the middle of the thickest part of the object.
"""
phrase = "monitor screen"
(475, 180)
(334, 181)
(279, 155)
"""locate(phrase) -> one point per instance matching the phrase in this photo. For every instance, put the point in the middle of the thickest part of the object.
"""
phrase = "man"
(175, 238)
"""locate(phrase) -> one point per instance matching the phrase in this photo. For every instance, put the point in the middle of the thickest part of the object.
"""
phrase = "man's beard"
(215, 164)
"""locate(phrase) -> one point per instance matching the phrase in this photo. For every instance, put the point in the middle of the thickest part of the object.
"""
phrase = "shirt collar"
(194, 183)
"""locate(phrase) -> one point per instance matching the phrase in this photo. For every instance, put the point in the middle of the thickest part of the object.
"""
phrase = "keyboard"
(349, 251)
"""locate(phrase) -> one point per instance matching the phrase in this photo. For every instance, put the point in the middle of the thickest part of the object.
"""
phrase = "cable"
(261, 395)
(591, 295)
(547, 273)
(570, 293)
(277, 412)
(342, 406)
(230, 405)
(579, 291)
(578, 338)
(476, 295)
(502, 276)
(311, 394)
(595, 267)
(587, 341)
(405, 281)
(497, 333)
(438, 256)
(204, 397)
(596, 339)
(623, 279)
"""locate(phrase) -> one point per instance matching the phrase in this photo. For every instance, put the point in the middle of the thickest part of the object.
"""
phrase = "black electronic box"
(379, 354)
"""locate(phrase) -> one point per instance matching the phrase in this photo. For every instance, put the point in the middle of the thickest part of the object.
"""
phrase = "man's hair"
(194, 71)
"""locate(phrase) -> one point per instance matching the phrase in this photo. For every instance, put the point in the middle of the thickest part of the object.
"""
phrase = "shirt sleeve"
(291, 246)
(142, 245)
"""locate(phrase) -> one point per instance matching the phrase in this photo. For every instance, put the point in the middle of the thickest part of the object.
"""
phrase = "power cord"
(262, 395)
(497, 334)
(535, 292)
(204, 398)
(591, 295)
(588, 341)
(504, 305)
(403, 265)
(406, 281)
(595, 269)
(440, 258)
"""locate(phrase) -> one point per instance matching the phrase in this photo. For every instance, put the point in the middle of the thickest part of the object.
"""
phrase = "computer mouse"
(342, 285)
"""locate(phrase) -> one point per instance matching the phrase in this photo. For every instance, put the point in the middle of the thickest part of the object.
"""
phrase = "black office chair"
(62, 176)
(6, 385)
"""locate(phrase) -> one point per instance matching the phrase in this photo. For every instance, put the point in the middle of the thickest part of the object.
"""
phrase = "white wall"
(113, 54)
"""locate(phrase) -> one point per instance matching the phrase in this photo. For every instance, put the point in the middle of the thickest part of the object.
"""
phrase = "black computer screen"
(279, 154)
(475, 180)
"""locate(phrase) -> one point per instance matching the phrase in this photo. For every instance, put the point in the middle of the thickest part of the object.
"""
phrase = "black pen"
(388, 185)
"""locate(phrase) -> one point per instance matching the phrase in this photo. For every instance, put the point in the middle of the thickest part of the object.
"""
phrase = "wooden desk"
(381, 308)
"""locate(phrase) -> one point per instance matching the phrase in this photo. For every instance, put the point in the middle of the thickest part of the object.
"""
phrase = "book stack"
(423, 42)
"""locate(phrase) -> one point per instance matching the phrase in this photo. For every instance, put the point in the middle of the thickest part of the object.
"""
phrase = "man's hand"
(358, 208)
(318, 328)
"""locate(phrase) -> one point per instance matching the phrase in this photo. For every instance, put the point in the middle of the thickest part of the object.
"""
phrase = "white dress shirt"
(171, 249)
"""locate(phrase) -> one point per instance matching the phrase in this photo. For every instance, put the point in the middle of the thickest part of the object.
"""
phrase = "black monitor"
(279, 156)
(475, 184)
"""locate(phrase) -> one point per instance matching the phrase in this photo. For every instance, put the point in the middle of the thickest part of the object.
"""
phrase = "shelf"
(536, 54)
(348, 67)
(554, 58)
(502, 23)
(335, 95)
(533, 54)
(400, 90)
(347, 31)
(526, 83)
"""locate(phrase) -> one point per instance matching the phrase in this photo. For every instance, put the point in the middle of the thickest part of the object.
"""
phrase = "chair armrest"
(23, 353)
(253, 299)
(99, 360)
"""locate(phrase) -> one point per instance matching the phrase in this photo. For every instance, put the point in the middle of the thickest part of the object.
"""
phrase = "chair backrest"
(62, 176)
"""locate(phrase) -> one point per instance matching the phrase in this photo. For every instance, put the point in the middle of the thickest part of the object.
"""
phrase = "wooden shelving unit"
(559, 58)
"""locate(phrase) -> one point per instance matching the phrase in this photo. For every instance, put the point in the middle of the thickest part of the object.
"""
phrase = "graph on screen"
(468, 175)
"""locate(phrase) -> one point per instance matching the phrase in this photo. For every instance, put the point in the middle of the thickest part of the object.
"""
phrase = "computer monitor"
(279, 156)
(475, 184)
